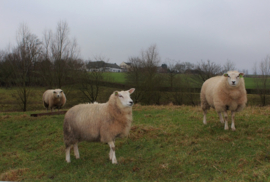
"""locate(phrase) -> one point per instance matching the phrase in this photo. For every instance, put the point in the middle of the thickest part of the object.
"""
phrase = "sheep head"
(58, 93)
(233, 77)
(124, 97)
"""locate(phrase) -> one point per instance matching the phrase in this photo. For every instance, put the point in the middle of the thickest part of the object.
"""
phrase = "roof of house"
(127, 63)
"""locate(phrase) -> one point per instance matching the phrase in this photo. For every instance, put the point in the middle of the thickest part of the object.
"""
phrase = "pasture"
(121, 78)
(166, 143)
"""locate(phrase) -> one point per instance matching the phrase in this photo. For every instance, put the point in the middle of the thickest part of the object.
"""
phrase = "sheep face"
(58, 93)
(124, 97)
(233, 77)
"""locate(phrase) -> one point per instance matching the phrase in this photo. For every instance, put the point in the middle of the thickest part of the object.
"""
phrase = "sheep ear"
(241, 75)
(54, 92)
(116, 93)
(225, 74)
(131, 90)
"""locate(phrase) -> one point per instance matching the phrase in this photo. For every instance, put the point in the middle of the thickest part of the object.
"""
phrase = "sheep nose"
(131, 102)
(233, 82)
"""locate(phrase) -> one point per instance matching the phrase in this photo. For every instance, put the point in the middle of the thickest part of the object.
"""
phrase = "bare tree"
(58, 55)
(144, 76)
(134, 77)
(90, 85)
(229, 66)
(25, 55)
(172, 72)
(263, 79)
(207, 70)
(92, 81)
(152, 80)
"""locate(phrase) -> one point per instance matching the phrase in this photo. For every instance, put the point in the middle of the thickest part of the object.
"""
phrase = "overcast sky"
(186, 31)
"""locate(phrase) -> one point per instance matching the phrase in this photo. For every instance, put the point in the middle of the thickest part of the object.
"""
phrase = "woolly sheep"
(98, 123)
(54, 99)
(224, 93)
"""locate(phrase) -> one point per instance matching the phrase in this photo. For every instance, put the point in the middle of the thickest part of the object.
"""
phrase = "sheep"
(98, 122)
(224, 93)
(54, 99)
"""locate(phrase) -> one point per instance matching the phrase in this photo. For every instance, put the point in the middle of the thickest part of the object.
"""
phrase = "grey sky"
(189, 31)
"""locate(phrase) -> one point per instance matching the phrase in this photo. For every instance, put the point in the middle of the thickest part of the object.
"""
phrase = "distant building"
(102, 66)
(125, 66)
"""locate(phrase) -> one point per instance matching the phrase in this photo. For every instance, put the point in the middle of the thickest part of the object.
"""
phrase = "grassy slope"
(166, 143)
(115, 77)
(120, 78)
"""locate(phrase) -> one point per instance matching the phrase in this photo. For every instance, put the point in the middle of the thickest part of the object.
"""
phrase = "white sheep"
(224, 93)
(54, 98)
(98, 123)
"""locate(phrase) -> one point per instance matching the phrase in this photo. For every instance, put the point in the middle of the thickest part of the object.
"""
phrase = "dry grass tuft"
(24, 116)
(138, 131)
(6, 117)
(13, 175)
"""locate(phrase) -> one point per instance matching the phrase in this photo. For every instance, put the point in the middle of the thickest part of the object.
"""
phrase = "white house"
(125, 65)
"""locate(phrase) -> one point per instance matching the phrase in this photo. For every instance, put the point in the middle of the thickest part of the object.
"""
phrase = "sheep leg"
(76, 150)
(220, 117)
(232, 126)
(112, 152)
(68, 154)
(226, 120)
(204, 116)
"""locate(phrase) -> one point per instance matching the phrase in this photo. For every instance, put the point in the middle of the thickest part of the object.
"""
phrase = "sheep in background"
(54, 99)
(224, 93)
(98, 123)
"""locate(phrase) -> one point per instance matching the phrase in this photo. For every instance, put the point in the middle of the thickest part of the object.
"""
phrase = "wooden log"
(48, 113)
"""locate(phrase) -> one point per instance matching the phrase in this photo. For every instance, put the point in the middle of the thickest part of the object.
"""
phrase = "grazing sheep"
(98, 123)
(54, 99)
(224, 93)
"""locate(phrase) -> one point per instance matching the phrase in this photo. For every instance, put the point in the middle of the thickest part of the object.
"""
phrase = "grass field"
(115, 77)
(166, 143)
(121, 78)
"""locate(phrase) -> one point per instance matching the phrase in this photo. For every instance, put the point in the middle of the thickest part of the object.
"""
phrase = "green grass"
(115, 77)
(121, 78)
(166, 143)
(250, 83)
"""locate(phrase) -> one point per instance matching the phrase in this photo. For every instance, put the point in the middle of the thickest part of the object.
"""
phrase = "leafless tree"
(172, 72)
(59, 53)
(144, 76)
(229, 66)
(25, 55)
(207, 70)
(134, 77)
(152, 81)
(263, 79)
(92, 81)
(90, 85)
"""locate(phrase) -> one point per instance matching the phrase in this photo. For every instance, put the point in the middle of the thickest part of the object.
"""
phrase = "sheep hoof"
(233, 129)
(222, 121)
(114, 161)
(226, 128)
(68, 161)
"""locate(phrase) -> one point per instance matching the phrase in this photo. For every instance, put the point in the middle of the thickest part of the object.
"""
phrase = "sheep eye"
(121, 96)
